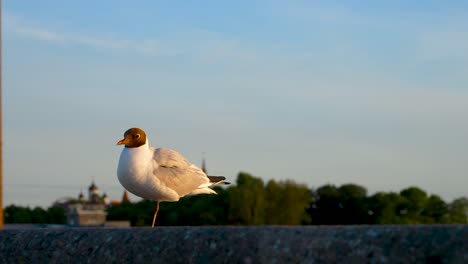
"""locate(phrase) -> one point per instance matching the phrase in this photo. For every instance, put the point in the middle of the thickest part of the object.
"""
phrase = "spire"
(203, 166)
(93, 186)
(92, 191)
(125, 199)
(81, 196)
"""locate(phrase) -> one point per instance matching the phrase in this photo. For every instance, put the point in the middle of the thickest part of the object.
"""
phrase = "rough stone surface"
(336, 244)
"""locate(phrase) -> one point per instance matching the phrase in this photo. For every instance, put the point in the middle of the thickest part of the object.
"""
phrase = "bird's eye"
(137, 136)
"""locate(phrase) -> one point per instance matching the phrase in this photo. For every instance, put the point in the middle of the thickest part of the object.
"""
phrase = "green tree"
(287, 203)
(39, 216)
(387, 208)
(24, 215)
(141, 213)
(436, 210)
(325, 210)
(344, 205)
(247, 201)
(56, 216)
(353, 209)
(119, 212)
(458, 211)
(17, 215)
(413, 206)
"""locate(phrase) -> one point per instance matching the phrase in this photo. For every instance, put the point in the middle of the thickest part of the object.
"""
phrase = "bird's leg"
(155, 213)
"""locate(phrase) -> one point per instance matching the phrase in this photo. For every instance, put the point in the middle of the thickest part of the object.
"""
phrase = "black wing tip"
(216, 179)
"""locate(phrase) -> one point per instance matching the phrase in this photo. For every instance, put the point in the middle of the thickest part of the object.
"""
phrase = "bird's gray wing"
(176, 173)
(170, 159)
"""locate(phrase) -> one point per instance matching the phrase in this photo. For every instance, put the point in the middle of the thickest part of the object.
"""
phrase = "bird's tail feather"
(218, 180)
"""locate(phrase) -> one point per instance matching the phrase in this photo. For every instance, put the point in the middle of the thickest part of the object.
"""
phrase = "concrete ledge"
(337, 244)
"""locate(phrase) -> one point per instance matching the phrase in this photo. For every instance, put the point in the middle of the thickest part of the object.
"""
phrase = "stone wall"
(337, 244)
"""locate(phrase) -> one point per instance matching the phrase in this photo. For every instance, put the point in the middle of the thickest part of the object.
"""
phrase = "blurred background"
(319, 93)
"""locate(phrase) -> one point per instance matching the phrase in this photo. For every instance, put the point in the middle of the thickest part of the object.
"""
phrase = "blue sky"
(315, 91)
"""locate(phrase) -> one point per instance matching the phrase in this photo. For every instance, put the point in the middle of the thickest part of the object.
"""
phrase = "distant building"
(91, 212)
(86, 215)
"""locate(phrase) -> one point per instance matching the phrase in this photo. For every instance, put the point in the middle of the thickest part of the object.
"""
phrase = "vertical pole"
(1, 121)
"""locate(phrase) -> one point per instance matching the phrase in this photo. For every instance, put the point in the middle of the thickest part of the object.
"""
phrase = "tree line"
(253, 202)
(24, 215)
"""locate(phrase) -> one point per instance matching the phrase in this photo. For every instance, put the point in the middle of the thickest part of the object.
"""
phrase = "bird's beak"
(122, 142)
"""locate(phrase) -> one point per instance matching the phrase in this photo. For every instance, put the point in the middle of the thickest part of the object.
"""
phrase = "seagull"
(159, 174)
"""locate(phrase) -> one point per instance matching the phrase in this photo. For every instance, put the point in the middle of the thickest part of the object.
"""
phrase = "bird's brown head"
(133, 138)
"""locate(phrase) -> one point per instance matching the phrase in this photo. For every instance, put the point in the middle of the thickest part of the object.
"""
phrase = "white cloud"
(14, 24)
(204, 46)
(26, 29)
(96, 42)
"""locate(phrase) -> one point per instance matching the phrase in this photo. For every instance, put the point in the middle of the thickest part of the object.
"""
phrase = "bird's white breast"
(135, 165)
(135, 173)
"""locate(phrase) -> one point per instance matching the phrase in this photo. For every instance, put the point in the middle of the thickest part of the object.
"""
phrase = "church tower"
(93, 191)
(81, 197)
